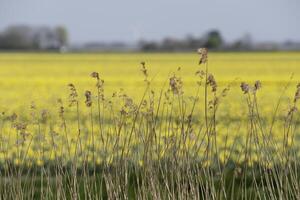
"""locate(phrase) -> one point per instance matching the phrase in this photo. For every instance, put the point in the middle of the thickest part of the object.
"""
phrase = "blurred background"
(149, 26)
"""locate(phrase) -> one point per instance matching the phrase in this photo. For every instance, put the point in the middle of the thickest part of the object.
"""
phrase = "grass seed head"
(212, 82)
(245, 87)
(88, 98)
(95, 75)
(257, 85)
(61, 110)
(144, 69)
(203, 55)
(73, 94)
(145, 72)
(175, 84)
(200, 73)
(225, 91)
(99, 85)
(297, 93)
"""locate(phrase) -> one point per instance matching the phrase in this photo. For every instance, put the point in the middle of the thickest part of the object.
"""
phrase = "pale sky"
(131, 20)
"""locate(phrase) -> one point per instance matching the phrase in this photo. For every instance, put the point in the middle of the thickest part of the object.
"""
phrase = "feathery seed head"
(175, 84)
(88, 98)
(95, 75)
(212, 82)
(257, 85)
(245, 87)
(99, 85)
(73, 95)
(145, 72)
(203, 55)
(61, 110)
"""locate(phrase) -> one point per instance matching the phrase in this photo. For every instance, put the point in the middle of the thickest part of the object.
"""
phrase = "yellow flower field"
(43, 77)
(31, 84)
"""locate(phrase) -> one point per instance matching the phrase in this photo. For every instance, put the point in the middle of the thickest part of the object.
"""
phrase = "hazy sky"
(130, 20)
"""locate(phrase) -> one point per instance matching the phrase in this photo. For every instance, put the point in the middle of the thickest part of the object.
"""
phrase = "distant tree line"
(44, 38)
(22, 37)
(213, 40)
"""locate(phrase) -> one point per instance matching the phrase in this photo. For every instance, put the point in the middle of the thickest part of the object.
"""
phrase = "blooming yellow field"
(43, 78)
(30, 85)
